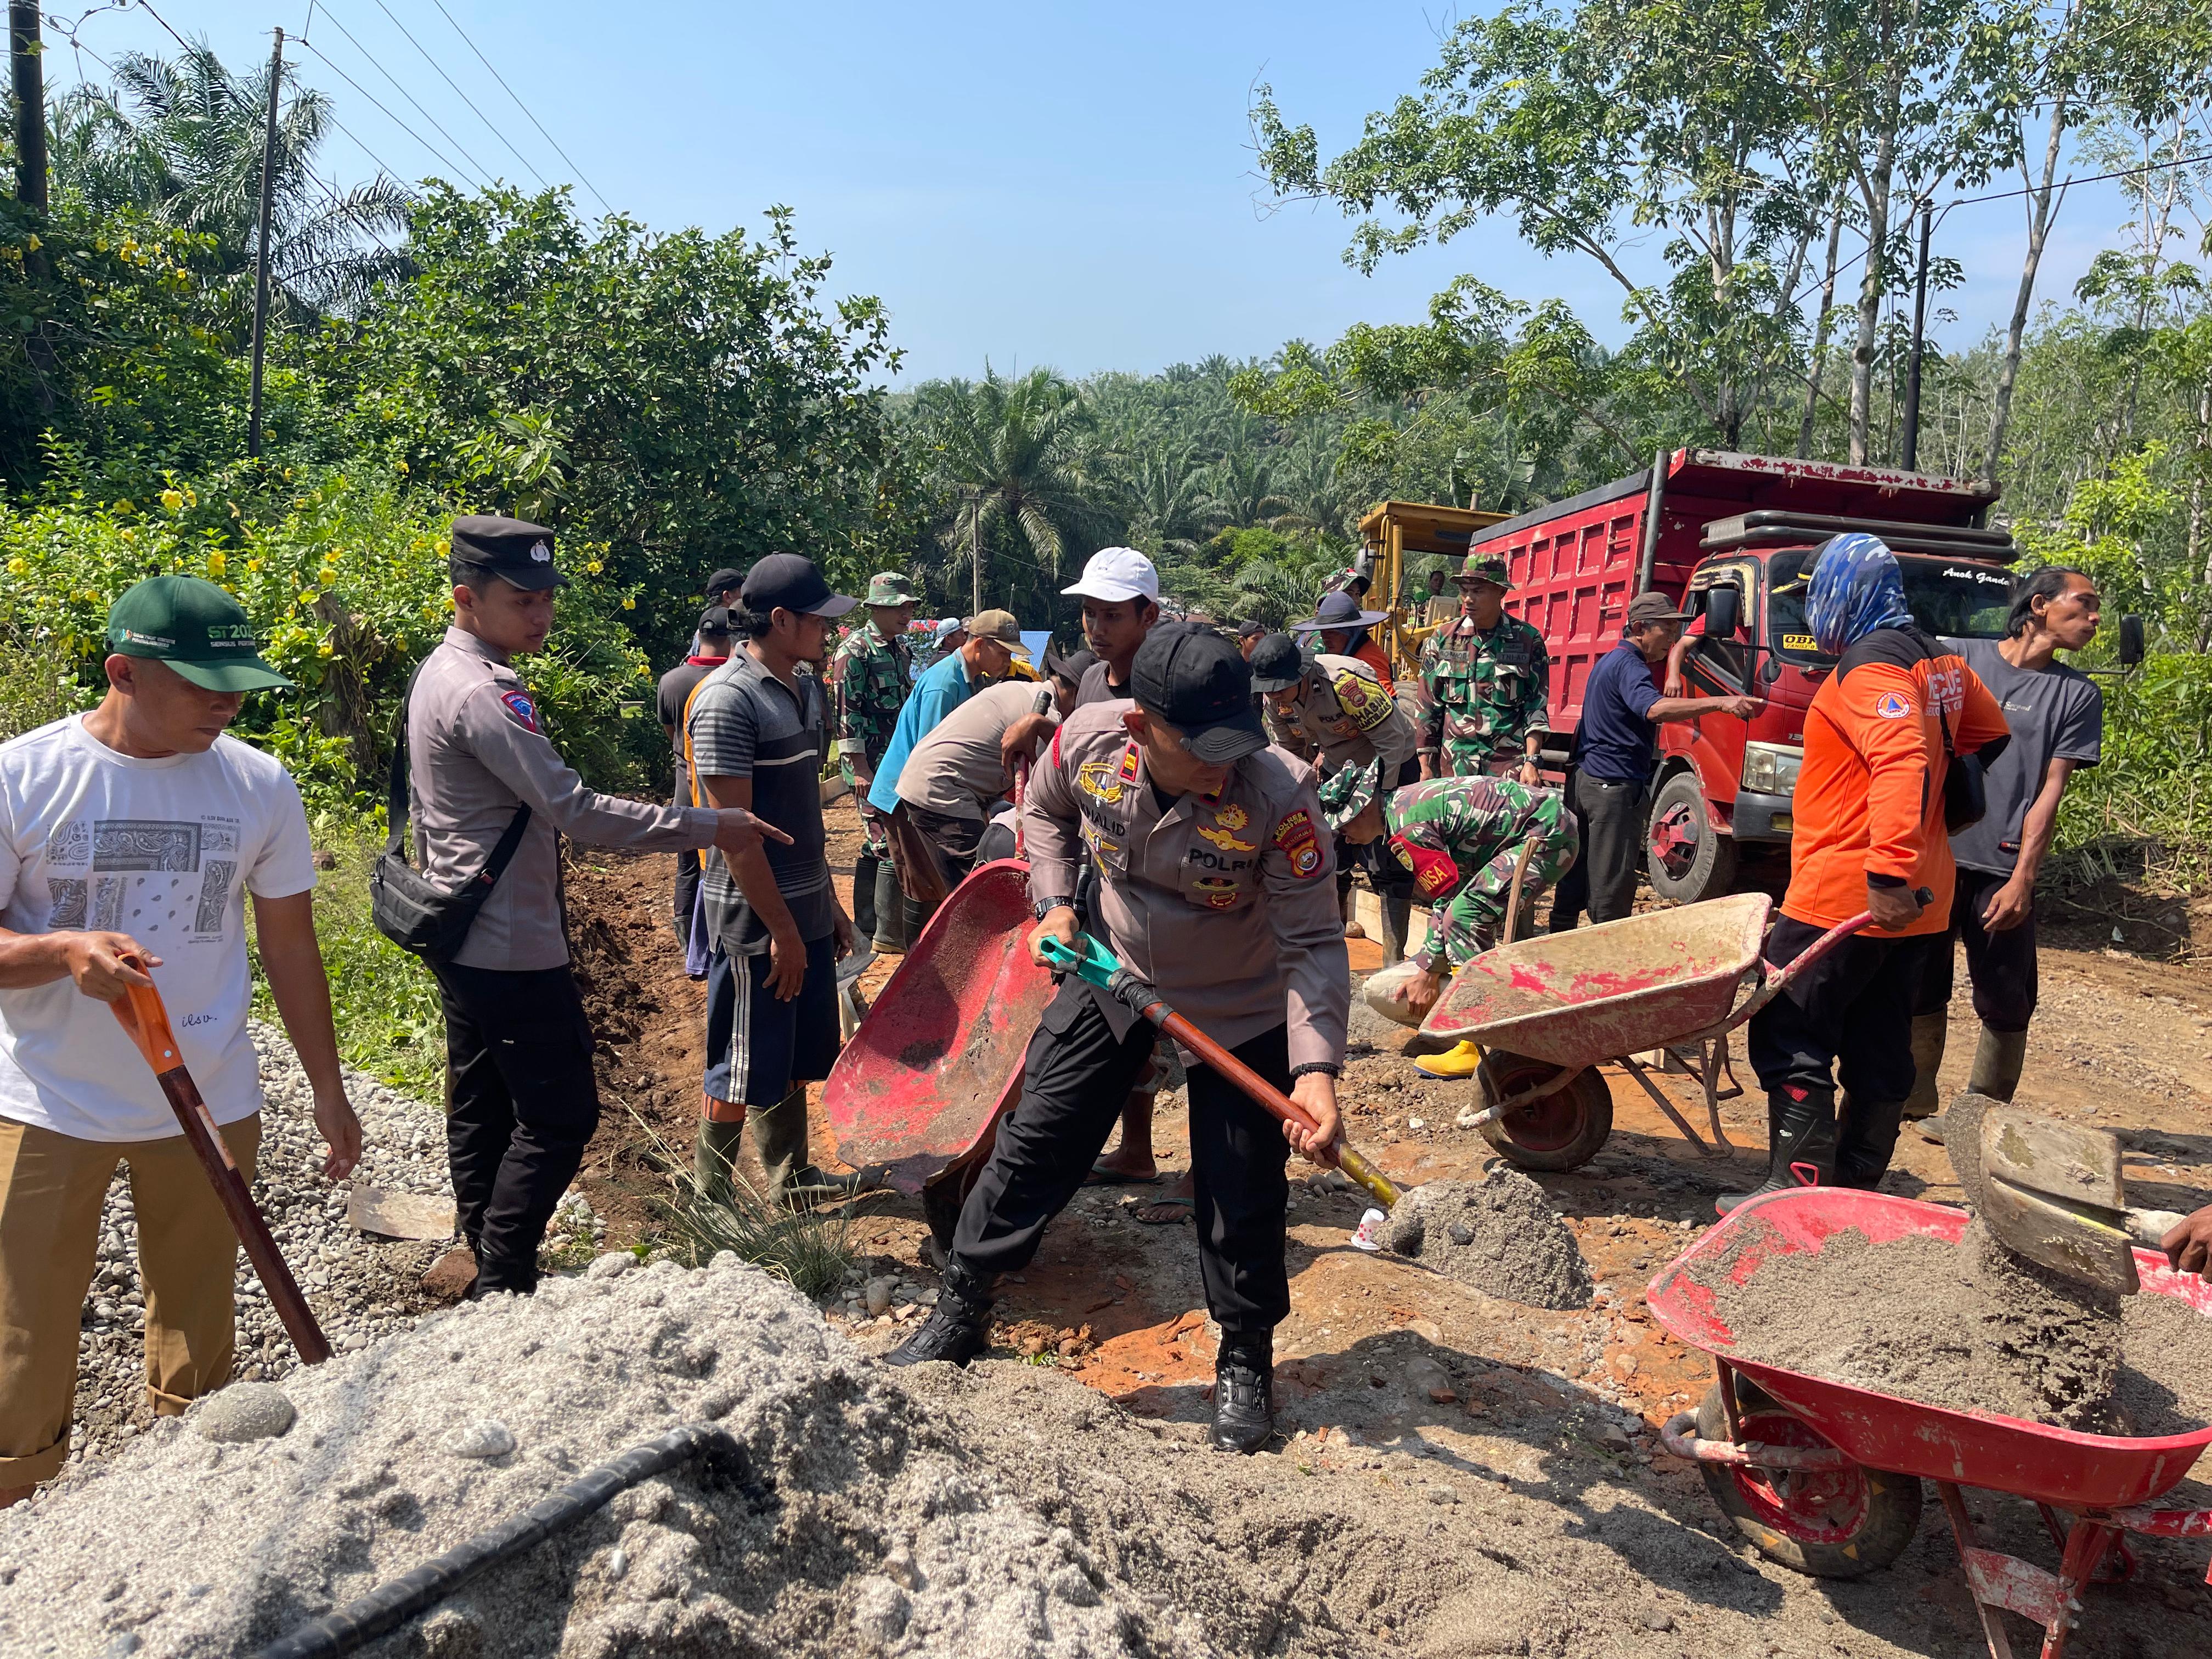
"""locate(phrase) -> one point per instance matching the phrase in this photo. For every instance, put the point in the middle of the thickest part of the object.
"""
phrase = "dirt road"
(1380, 1356)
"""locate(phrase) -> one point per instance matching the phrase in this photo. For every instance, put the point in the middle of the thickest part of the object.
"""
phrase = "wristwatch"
(1045, 907)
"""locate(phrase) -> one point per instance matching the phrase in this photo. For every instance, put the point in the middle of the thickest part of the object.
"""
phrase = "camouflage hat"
(891, 587)
(1486, 567)
(1347, 792)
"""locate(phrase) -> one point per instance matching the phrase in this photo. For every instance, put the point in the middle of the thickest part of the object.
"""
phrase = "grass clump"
(810, 1250)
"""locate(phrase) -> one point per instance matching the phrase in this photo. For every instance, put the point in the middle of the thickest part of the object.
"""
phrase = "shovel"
(2053, 1191)
(141, 1015)
(1095, 963)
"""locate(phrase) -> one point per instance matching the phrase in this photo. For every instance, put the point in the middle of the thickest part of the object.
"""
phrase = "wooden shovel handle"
(141, 1014)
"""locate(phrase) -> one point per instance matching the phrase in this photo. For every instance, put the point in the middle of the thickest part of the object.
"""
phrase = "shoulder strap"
(1926, 644)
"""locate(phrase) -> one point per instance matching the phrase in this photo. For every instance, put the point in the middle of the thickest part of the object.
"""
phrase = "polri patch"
(524, 711)
(1296, 840)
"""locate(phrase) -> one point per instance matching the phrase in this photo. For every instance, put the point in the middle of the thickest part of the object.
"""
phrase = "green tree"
(689, 400)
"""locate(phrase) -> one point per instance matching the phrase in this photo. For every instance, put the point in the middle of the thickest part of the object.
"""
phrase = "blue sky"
(1031, 183)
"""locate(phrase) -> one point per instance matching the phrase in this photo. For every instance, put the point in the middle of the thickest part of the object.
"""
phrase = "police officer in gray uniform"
(521, 1101)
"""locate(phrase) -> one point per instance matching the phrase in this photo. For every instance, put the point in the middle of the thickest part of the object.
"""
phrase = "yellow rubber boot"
(1452, 1063)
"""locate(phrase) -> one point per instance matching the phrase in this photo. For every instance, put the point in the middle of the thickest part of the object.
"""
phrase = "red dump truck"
(1733, 536)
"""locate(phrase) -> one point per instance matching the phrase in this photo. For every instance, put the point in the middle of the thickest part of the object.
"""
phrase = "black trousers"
(1848, 1021)
(1077, 1075)
(688, 871)
(2000, 966)
(1611, 817)
(520, 1103)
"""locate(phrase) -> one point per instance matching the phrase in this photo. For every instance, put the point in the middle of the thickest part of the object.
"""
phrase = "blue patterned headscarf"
(1856, 589)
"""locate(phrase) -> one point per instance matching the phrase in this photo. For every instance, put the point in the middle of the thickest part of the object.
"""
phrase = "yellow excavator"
(1395, 531)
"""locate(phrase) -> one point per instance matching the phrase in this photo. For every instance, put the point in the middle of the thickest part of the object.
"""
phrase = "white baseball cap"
(1115, 574)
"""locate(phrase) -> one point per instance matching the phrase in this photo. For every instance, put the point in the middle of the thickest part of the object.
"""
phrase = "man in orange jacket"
(1870, 833)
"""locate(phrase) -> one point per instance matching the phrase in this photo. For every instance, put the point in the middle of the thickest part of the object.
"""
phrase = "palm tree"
(1169, 509)
(1243, 485)
(181, 139)
(1015, 456)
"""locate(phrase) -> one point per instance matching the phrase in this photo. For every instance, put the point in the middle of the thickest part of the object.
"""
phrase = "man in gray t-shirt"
(949, 783)
(2056, 714)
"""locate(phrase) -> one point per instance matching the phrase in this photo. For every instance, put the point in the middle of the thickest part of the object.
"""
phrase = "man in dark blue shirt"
(1614, 746)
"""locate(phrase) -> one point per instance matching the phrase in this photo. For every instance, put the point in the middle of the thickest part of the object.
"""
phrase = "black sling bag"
(410, 911)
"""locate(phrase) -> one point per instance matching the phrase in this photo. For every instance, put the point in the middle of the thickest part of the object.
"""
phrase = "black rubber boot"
(1244, 1391)
(891, 940)
(864, 898)
(958, 1328)
(1865, 1139)
(1798, 1133)
(1397, 921)
(1997, 1063)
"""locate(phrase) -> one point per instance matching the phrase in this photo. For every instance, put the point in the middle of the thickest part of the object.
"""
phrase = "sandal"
(1100, 1175)
(1186, 1205)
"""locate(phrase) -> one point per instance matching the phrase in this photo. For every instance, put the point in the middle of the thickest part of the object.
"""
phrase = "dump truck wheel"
(1843, 1523)
(1686, 858)
(1561, 1131)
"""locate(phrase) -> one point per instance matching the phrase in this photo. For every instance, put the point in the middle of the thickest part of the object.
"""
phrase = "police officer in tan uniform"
(521, 1101)
(1335, 710)
(1214, 884)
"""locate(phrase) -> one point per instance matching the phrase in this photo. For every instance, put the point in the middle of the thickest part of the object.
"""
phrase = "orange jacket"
(1869, 800)
(1377, 658)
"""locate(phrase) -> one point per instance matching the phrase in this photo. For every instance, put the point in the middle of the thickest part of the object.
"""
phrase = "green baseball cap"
(196, 627)
(891, 587)
(1486, 567)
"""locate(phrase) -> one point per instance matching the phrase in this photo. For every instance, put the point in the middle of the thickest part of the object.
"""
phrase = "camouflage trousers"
(875, 827)
(1556, 847)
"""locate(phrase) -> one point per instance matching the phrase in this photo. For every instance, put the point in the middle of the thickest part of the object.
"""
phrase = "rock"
(1417, 1123)
(613, 1262)
(487, 1438)
(1610, 1436)
(399, 1215)
(1439, 1494)
(617, 1563)
(877, 1295)
(451, 1274)
(451, 1633)
(1426, 1375)
(326, 859)
(880, 1610)
(1658, 1619)
(243, 1411)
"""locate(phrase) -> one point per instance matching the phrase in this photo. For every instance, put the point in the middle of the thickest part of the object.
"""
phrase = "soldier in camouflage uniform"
(1461, 838)
(871, 674)
(1488, 675)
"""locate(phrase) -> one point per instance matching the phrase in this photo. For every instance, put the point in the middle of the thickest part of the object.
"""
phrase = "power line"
(483, 173)
(523, 107)
(457, 93)
(379, 103)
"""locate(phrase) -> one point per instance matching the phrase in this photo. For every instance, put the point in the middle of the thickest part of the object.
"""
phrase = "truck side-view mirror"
(1724, 610)
(2131, 641)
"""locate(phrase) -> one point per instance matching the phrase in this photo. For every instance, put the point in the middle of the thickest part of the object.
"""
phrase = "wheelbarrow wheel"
(1842, 1523)
(1562, 1130)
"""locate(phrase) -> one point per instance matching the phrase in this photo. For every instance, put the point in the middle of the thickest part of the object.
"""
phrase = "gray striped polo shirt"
(746, 723)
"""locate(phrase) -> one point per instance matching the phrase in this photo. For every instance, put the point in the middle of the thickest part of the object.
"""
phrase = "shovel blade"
(2050, 1234)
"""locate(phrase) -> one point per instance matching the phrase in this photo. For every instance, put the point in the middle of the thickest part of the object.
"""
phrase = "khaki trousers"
(51, 1190)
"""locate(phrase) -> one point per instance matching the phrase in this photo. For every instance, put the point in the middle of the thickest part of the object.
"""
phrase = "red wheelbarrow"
(919, 1087)
(1825, 1478)
(1548, 1010)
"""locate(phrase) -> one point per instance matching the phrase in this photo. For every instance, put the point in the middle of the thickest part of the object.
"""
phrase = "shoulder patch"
(1435, 874)
(520, 709)
(1361, 699)
(1296, 840)
(1891, 706)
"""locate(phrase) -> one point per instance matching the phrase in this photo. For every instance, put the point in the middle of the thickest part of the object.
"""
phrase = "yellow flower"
(327, 575)
(253, 564)
(307, 597)
(629, 605)
(129, 535)
(324, 649)
(174, 500)
(402, 465)
(17, 567)
(594, 566)
(124, 508)
(216, 562)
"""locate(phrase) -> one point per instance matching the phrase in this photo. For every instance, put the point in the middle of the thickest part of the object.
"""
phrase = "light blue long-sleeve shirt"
(940, 690)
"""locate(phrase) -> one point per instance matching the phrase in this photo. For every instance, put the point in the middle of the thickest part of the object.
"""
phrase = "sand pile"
(1972, 1327)
(1499, 1235)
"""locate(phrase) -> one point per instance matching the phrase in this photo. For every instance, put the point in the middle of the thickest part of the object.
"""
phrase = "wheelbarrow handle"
(1099, 965)
(146, 1021)
(1774, 980)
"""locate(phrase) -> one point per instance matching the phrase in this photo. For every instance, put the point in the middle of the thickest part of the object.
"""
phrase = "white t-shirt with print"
(162, 850)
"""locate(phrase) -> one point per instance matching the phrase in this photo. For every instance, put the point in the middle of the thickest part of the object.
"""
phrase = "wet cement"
(1972, 1327)
(1499, 1235)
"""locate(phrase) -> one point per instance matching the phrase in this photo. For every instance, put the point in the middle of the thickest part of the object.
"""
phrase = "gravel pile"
(361, 1288)
(1499, 1235)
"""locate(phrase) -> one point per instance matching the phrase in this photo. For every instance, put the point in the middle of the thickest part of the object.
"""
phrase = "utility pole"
(24, 53)
(1911, 443)
(975, 545)
(261, 258)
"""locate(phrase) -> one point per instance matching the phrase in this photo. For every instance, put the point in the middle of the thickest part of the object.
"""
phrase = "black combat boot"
(1244, 1391)
(1800, 1139)
(958, 1328)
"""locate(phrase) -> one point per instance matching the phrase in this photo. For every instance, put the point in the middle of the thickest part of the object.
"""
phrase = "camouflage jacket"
(872, 679)
(1461, 838)
(1489, 691)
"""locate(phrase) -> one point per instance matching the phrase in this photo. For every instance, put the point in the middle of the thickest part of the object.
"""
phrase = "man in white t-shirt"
(129, 838)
